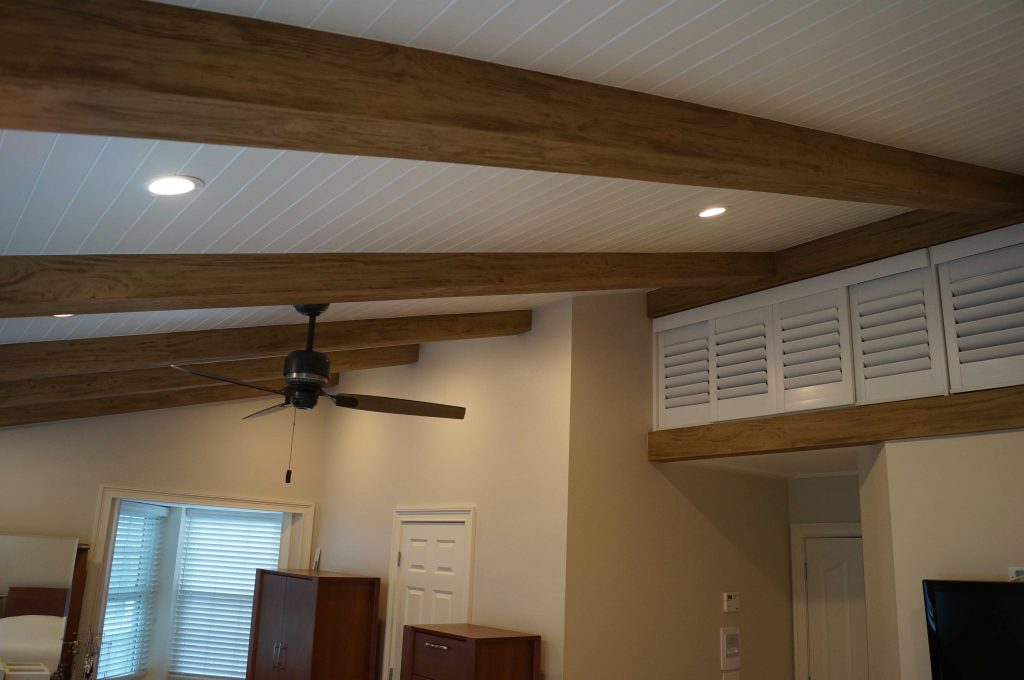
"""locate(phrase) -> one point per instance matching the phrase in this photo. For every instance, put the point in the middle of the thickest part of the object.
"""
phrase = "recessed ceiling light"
(62, 316)
(175, 185)
(713, 211)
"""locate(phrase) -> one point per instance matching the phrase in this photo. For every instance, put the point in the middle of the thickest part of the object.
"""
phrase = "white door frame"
(465, 514)
(799, 533)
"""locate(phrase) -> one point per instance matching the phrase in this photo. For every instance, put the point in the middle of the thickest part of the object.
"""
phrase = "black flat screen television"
(975, 629)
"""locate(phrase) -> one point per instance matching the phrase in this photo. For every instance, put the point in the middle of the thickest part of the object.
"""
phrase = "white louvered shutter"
(131, 593)
(897, 337)
(983, 313)
(743, 383)
(683, 376)
(813, 344)
(220, 553)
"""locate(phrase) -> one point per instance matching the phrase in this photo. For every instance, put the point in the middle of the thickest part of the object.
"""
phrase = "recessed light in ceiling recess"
(175, 185)
(62, 316)
(713, 211)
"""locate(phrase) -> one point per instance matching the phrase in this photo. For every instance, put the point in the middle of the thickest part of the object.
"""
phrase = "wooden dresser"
(313, 626)
(462, 651)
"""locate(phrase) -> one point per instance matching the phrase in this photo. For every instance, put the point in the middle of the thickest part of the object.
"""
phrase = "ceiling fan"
(306, 371)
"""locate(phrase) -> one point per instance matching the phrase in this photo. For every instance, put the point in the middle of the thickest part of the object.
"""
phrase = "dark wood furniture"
(310, 625)
(65, 602)
(24, 601)
(462, 651)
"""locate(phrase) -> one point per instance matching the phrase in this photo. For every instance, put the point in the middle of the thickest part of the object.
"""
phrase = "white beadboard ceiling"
(938, 77)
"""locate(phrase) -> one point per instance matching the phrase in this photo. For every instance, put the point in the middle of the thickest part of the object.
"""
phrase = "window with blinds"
(898, 337)
(134, 573)
(219, 555)
(983, 311)
(814, 341)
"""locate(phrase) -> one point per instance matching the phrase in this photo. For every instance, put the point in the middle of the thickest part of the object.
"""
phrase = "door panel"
(296, 652)
(271, 603)
(836, 618)
(433, 579)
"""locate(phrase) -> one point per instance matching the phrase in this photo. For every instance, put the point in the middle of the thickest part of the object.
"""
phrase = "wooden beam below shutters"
(964, 413)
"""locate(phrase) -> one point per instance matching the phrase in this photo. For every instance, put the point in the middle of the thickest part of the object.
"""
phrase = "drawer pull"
(436, 646)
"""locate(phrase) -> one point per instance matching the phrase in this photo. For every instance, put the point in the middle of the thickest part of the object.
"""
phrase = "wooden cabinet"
(313, 626)
(461, 651)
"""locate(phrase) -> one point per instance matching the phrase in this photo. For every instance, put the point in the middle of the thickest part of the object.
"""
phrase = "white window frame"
(296, 548)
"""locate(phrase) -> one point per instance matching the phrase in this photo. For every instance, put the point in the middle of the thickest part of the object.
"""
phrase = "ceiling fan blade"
(267, 411)
(221, 378)
(405, 407)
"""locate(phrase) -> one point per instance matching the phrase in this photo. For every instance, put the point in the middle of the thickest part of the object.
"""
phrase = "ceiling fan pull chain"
(291, 447)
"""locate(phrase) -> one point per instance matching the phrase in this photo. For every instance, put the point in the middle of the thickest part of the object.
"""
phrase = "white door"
(432, 580)
(836, 620)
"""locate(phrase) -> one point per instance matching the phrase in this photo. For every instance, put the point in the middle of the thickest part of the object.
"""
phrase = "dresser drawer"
(440, 658)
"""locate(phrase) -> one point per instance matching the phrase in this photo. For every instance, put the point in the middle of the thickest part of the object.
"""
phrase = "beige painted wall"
(53, 473)
(652, 547)
(954, 507)
(814, 500)
(879, 581)
(509, 458)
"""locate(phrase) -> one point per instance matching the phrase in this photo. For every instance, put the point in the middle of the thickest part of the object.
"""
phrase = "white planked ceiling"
(938, 77)
(942, 77)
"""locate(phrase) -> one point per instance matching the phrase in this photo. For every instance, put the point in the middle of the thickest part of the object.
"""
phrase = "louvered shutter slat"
(897, 337)
(813, 351)
(742, 376)
(983, 312)
(683, 372)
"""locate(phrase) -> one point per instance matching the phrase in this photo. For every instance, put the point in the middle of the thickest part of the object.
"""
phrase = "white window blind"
(744, 381)
(897, 337)
(134, 569)
(684, 382)
(814, 342)
(983, 310)
(220, 553)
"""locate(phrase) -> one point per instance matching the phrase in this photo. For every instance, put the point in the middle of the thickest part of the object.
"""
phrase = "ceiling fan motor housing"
(307, 367)
(305, 371)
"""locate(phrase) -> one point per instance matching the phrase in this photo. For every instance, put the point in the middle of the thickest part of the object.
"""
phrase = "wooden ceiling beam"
(39, 360)
(105, 406)
(122, 67)
(147, 380)
(92, 284)
(982, 411)
(868, 243)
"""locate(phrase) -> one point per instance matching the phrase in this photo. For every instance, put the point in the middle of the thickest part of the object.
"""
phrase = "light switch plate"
(731, 602)
(730, 641)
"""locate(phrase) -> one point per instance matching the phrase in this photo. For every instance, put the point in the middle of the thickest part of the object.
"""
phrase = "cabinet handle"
(282, 657)
(435, 646)
(277, 651)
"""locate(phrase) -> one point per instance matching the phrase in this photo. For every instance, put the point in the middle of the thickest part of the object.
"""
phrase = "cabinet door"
(267, 622)
(295, 656)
